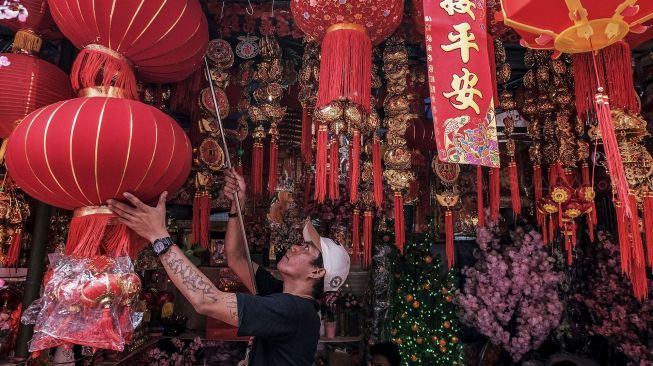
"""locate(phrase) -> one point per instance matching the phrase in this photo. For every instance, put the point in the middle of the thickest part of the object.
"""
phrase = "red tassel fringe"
(334, 169)
(480, 207)
(205, 213)
(345, 68)
(624, 240)
(377, 171)
(85, 235)
(195, 223)
(367, 239)
(239, 167)
(648, 227)
(14, 248)
(495, 193)
(321, 164)
(93, 67)
(355, 167)
(257, 168)
(448, 227)
(184, 94)
(272, 173)
(355, 236)
(307, 136)
(400, 235)
(514, 188)
(537, 182)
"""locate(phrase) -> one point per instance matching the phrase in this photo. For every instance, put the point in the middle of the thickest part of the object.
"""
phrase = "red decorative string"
(355, 167)
(448, 225)
(14, 248)
(334, 169)
(400, 237)
(367, 238)
(514, 188)
(648, 226)
(377, 171)
(537, 182)
(355, 236)
(480, 209)
(257, 168)
(272, 173)
(321, 164)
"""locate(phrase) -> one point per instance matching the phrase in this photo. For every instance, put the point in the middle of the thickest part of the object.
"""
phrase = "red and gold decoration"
(460, 82)
(118, 38)
(448, 198)
(14, 211)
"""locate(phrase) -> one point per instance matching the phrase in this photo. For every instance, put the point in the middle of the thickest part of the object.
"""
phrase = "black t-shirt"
(286, 327)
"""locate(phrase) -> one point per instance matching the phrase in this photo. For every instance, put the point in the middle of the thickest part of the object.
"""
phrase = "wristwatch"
(162, 245)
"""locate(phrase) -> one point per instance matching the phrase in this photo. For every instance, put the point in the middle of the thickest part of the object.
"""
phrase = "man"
(283, 317)
(385, 354)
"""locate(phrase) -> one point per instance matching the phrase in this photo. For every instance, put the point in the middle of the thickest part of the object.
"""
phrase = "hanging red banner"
(460, 81)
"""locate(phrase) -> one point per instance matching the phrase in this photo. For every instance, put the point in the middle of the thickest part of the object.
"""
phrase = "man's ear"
(317, 273)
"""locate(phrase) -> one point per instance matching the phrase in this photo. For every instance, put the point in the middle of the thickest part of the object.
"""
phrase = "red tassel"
(257, 168)
(97, 64)
(585, 173)
(537, 182)
(195, 223)
(624, 240)
(116, 240)
(321, 164)
(552, 227)
(448, 226)
(514, 188)
(307, 136)
(272, 173)
(239, 167)
(638, 265)
(545, 231)
(377, 171)
(648, 226)
(205, 213)
(355, 236)
(590, 226)
(85, 235)
(126, 325)
(334, 169)
(106, 328)
(480, 209)
(400, 235)
(611, 147)
(367, 239)
(14, 248)
(495, 193)
(184, 94)
(345, 68)
(355, 167)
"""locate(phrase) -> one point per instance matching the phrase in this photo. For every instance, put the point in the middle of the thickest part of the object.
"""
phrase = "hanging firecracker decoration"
(448, 198)
(117, 38)
(309, 78)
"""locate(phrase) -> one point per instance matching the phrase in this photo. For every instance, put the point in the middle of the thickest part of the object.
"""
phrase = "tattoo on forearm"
(232, 307)
(189, 277)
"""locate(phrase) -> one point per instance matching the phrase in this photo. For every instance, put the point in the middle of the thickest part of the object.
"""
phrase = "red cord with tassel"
(98, 63)
(272, 173)
(355, 236)
(400, 235)
(545, 231)
(448, 227)
(537, 182)
(638, 264)
(624, 239)
(205, 213)
(257, 168)
(367, 238)
(334, 169)
(480, 207)
(14, 248)
(377, 171)
(648, 226)
(514, 188)
(321, 162)
(354, 176)
(239, 167)
(495, 193)
(195, 223)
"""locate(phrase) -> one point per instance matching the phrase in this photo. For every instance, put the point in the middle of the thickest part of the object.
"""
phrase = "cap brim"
(310, 233)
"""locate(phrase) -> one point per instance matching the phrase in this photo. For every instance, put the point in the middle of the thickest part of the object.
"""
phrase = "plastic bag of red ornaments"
(87, 301)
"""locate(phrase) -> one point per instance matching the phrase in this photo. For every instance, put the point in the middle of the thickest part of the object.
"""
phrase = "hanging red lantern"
(79, 153)
(28, 83)
(347, 31)
(163, 40)
(574, 26)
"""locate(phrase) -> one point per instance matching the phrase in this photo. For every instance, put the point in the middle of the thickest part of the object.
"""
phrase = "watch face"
(158, 247)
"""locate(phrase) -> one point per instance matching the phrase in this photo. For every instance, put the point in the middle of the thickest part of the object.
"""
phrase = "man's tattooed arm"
(200, 292)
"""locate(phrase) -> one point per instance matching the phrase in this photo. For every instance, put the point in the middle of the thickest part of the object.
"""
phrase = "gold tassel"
(27, 41)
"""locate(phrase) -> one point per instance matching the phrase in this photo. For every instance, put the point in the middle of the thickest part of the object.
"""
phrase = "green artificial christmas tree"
(424, 323)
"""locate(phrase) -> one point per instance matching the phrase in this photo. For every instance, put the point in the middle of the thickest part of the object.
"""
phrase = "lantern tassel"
(354, 176)
(514, 188)
(545, 231)
(367, 239)
(26, 40)
(307, 136)
(184, 94)
(345, 67)
(624, 240)
(495, 193)
(399, 221)
(480, 209)
(85, 234)
(97, 62)
(377, 171)
(448, 227)
(106, 328)
(272, 173)
(334, 169)
(321, 164)
(355, 236)
(552, 227)
(648, 228)
(257, 168)
(14, 248)
(638, 265)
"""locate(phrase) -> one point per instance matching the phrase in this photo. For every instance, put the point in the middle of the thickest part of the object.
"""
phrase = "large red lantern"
(574, 26)
(28, 83)
(164, 40)
(81, 152)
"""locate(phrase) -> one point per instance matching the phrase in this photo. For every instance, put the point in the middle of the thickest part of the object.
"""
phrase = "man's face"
(379, 360)
(298, 261)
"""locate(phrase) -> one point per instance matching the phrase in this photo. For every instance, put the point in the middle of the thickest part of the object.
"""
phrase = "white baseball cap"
(334, 256)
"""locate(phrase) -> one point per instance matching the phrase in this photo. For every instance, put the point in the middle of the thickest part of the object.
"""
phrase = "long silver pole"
(207, 69)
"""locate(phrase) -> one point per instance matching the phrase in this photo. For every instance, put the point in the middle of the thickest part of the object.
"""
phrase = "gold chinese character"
(431, 79)
(464, 40)
(430, 68)
(429, 38)
(463, 90)
(429, 58)
(459, 6)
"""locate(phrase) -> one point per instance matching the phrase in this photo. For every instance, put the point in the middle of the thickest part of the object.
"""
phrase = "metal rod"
(207, 69)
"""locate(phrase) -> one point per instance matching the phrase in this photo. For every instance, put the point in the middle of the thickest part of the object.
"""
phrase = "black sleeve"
(265, 316)
(266, 284)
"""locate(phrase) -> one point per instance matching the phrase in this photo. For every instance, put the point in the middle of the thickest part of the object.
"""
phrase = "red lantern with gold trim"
(79, 153)
(164, 40)
(28, 83)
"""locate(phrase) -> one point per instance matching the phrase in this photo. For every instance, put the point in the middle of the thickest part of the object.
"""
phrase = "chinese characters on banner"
(460, 81)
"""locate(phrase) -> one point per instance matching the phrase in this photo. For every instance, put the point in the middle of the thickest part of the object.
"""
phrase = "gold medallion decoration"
(211, 154)
(206, 101)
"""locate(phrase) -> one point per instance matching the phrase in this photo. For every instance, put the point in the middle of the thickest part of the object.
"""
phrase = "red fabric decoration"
(495, 193)
(355, 236)
(257, 168)
(480, 209)
(14, 248)
(272, 172)
(514, 188)
(377, 173)
(400, 235)
(28, 83)
(307, 136)
(334, 169)
(164, 40)
(648, 228)
(448, 227)
(355, 167)
(367, 239)
(321, 164)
